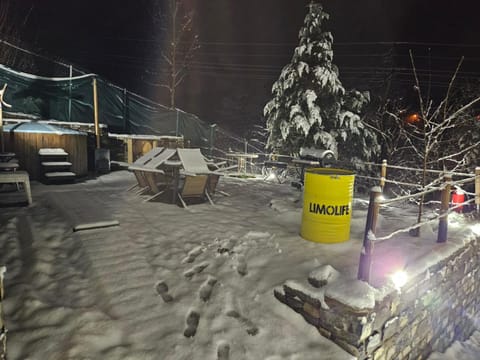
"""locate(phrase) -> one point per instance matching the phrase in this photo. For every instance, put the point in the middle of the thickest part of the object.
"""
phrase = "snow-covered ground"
(171, 283)
(467, 350)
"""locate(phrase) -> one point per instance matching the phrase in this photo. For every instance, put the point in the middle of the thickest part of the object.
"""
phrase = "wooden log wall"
(26, 145)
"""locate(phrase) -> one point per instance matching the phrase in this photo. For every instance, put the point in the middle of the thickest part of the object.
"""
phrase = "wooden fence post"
(383, 174)
(443, 221)
(477, 188)
(365, 264)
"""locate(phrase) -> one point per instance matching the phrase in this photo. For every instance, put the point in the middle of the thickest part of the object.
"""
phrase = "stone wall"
(3, 331)
(436, 307)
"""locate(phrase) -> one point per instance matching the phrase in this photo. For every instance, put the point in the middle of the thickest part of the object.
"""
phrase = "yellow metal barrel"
(327, 205)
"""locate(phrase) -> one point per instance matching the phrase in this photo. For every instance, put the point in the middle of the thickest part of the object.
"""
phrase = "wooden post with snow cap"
(365, 264)
(383, 174)
(477, 188)
(445, 202)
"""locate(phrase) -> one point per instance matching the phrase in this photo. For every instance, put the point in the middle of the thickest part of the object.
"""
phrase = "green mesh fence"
(71, 100)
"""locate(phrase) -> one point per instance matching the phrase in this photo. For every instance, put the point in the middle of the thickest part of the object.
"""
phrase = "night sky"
(245, 43)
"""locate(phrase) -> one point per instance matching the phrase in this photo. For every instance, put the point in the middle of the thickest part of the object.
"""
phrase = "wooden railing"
(377, 201)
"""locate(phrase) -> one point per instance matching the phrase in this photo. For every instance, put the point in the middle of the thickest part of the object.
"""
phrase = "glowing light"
(399, 279)
(413, 119)
(271, 176)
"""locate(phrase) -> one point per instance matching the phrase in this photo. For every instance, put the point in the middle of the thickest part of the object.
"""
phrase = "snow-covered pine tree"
(310, 107)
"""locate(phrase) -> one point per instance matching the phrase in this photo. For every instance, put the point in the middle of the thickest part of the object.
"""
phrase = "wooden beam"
(130, 150)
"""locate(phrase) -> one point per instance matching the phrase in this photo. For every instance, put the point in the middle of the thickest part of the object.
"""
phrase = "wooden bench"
(17, 177)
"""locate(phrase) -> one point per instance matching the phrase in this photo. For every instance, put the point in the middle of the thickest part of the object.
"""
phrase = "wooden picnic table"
(174, 166)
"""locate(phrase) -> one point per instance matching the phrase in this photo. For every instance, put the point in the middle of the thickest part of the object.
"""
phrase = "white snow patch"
(353, 293)
(466, 350)
(323, 275)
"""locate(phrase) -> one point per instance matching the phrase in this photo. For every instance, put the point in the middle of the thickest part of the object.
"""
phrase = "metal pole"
(443, 221)
(212, 138)
(95, 113)
(2, 145)
(176, 123)
(125, 123)
(365, 264)
(70, 73)
(2, 103)
(383, 174)
(477, 188)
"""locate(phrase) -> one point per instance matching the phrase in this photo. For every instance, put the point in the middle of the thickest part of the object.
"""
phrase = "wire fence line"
(420, 224)
(377, 202)
(387, 180)
(417, 169)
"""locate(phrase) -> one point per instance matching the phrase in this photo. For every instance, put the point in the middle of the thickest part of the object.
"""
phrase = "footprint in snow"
(206, 288)
(250, 327)
(242, 265)
(195, 270)
(162, 290)
(223, 351)
(192, 255)
(226, 246)
(192, 321)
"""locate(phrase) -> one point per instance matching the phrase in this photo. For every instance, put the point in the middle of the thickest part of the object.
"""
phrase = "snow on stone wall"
(435, 308)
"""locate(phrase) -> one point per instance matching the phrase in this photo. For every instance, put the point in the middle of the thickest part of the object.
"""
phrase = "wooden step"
(56, 163)
(52, 152)
(60, 175)
(8, 166)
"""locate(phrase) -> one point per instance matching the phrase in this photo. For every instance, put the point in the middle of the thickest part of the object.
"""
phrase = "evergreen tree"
(310, 107)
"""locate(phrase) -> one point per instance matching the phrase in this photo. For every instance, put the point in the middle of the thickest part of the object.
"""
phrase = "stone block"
(294, 302)
(373, 342)
(310, 319)
(406, 351)
(424, 327)
(381, 317)
(390, 328)
(403, 320)
(391, 353)
(408, 297)
(324, 332)
(428, 298)
(311, 310)
(379, 354)
(394, 303)
(364, 331)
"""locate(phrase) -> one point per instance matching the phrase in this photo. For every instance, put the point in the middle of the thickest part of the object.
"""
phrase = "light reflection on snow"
(475, 229)
(399, 279)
